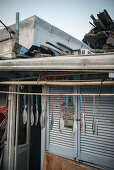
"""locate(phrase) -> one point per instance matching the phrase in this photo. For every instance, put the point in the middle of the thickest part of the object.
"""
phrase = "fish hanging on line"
(24, 115)
(32, 116)
(83, 124)
(44, 116)
(37, 113)
(61, 124)
(24, 111)
(74, 130)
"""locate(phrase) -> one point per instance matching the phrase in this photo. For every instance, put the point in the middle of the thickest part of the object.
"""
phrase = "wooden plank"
(53, 162)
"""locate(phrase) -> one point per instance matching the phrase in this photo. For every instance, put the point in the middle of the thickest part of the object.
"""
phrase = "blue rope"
(67, 104)
(80, 104)
(24, 101)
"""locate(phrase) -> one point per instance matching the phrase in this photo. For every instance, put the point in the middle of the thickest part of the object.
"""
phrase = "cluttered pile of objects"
(101, 37)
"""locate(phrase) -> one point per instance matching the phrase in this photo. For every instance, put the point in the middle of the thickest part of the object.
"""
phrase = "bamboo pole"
(57, 83)
(58, 94)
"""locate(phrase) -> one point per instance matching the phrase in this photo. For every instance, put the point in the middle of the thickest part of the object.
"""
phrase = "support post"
(11, 128)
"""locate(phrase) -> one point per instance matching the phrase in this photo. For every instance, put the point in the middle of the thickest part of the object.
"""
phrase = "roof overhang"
(86, 63)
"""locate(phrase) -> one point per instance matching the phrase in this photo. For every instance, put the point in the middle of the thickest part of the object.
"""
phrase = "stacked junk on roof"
(102, 35)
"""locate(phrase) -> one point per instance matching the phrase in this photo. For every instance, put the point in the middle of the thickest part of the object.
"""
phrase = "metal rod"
(17, 27)
(58, 94)
(57, 83)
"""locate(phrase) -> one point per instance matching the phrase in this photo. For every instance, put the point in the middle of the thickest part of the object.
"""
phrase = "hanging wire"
(52, 104)
(80, 103)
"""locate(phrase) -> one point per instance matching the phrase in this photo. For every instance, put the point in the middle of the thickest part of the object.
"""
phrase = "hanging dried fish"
(44, 116)
(42, 119)
(61, 122)
(94, 117)
(37, 113)
(32, 115)
(74, 130)
(83, 121)
(52, 116)
(24, 111)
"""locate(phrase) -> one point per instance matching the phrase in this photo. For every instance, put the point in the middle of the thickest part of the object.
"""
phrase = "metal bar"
(17, 27)
(57, 83)
(60, 94)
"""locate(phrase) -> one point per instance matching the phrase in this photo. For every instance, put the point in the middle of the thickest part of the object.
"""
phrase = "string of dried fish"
(24, 111)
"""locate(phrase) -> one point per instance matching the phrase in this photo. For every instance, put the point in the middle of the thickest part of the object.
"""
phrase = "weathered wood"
(53, 162)
(57, 83)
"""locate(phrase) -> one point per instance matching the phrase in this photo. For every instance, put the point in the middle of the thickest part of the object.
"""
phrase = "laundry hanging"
(37, 113)
(61, 121)
(83, 121)
(25, 111)
(52, 116)
(32, 115)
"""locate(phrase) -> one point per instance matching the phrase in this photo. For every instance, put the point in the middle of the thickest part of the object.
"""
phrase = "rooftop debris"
(36, 51)
(102, 35)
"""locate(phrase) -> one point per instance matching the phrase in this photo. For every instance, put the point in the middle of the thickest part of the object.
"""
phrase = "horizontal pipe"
(60, 94)
(57, 83)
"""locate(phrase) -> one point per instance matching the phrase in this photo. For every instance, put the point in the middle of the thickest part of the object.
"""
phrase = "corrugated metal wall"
(91, 149)
(99, 149)
(61, 143)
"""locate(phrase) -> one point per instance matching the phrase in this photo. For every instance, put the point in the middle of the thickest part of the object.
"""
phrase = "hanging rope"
(66, 104)
(51, 103)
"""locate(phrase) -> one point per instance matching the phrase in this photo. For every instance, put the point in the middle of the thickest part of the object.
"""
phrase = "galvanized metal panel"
(99, 150)
(60, 143)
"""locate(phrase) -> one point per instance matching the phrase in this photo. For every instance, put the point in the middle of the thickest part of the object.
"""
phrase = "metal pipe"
(17, 27)
(57, 83)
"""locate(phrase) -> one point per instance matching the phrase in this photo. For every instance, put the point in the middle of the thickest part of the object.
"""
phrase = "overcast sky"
(72, 16)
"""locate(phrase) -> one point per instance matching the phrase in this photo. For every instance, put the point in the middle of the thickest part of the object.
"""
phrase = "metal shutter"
(99, 150)
(60, 143)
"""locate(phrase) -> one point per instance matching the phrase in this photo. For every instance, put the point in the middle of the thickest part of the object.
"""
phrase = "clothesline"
(58, 94)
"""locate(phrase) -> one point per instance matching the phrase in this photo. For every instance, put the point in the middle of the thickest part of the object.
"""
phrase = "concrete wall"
(47, 32)
(36, 31)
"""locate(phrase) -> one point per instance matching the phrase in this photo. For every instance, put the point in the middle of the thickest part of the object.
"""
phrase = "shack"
(60, 108)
